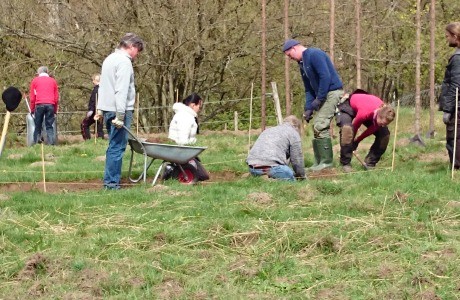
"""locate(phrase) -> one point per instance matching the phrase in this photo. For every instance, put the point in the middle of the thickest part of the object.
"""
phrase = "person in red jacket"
(44, 97)
(361, 108)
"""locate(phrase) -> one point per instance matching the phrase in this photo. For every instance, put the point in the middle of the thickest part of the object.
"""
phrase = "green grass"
(365, 235)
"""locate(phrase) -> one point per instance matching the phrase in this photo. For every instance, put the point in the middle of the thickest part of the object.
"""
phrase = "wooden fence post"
(277, 103)
(235, 121)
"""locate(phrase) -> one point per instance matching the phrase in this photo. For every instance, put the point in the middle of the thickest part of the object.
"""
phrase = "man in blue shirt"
(323, 90)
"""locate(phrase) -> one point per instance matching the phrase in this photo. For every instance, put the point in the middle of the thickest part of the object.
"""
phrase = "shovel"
(360, 161)
(11, 97)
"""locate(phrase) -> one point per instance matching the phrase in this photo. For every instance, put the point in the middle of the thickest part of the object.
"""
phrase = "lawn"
(378, 234)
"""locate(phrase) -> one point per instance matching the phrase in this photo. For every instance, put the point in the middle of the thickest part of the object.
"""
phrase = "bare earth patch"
(169, 289)
(52, 187)
(261, 198)
(33, 265)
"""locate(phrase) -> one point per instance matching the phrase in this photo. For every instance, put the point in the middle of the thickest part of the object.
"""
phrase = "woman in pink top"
(361, 108)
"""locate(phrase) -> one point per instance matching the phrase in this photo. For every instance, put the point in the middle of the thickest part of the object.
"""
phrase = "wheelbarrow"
(170, 154)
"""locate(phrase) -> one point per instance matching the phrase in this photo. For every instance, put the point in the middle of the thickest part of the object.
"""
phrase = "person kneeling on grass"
(184, 128)
(275, 149)
(355, 110)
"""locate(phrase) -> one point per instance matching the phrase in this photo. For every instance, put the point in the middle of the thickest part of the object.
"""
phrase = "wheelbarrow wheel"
(191, 173)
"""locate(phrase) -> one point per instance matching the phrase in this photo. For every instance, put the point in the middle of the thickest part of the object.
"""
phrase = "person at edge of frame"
(447, 98)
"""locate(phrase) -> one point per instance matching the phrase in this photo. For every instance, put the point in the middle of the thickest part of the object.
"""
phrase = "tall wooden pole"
(287, 82)
(432, 62)
(418, 52)
(332, 30)
(263, 66)
(358, 43)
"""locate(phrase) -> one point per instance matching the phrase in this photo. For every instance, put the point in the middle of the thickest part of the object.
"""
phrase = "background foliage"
(211, 47)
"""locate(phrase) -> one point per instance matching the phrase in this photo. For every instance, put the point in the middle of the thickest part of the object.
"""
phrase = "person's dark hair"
(192, 98)
(131, 39)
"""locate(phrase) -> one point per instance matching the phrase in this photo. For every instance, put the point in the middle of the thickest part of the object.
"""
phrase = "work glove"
(118, 121)
(99, 115)
(446, 118)
(89, 113)
(355, 145)
(316, 104)
(308, 115)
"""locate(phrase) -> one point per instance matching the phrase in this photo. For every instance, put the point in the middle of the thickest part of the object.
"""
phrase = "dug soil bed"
(93, 185)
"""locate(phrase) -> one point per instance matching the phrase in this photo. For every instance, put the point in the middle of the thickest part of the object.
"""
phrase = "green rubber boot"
(315, 153)
(324, 148)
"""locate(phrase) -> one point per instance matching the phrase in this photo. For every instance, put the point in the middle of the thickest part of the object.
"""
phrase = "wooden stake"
(43, 168)
(250, 117)
(394, 140)
(4, 131)
(455, 133)
(276, 98)
(137, 116)
(95, 124)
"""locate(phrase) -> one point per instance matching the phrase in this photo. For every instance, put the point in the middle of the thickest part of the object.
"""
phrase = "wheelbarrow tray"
(170, 153)
(167, 153)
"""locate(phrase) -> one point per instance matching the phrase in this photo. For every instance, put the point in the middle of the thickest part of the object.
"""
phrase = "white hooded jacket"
(183, 126)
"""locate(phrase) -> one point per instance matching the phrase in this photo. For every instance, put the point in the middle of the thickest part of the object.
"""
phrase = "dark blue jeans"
(118, 139)
(281, 172)
(44, 112)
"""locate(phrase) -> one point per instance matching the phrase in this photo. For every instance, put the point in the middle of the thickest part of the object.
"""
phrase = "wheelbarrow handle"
(131, 134)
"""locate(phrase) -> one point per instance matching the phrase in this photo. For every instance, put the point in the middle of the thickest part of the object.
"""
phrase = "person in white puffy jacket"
(184, 128)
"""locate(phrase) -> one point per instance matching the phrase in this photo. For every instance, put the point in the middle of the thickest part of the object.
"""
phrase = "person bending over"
(361, 108)
(275, 149)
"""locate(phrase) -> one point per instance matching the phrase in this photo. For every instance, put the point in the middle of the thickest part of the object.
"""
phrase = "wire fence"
(69, 121)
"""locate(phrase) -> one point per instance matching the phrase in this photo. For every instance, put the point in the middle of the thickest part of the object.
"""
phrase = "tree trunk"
(418, 51)
(287, 82)
(432, 62)
(358, 43)
(263, 58)
(332, 30)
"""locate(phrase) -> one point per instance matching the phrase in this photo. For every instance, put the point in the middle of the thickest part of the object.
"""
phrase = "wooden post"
(277, 103)
(455, 133)
(43, 168)
(263, 65)
(432, 66)
(250, 117)
(287, 60)
(137, 115)
(235, 121)
(358, 42)
(95, 123)
(394, 140)
(4, 131)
